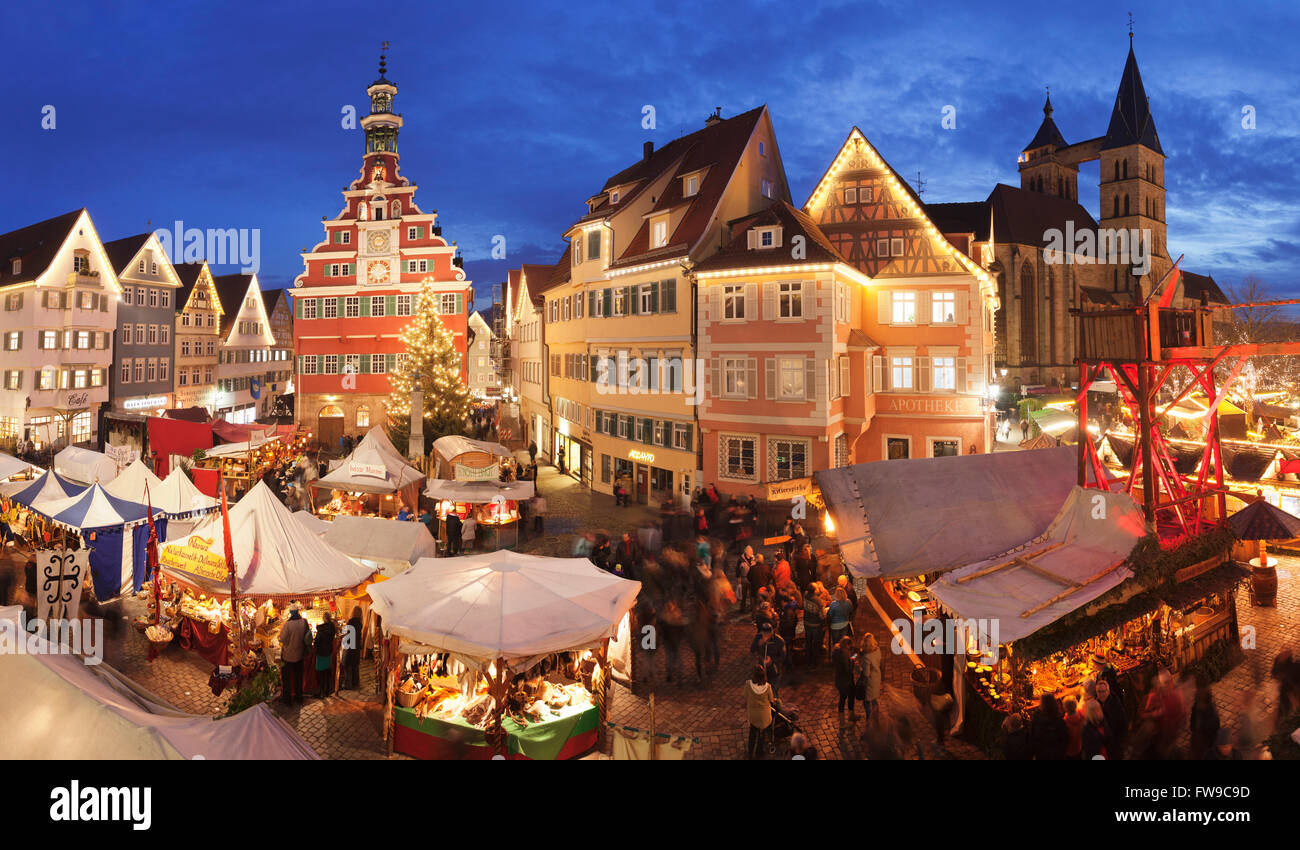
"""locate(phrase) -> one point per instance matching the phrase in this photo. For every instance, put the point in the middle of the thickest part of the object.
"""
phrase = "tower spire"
(383, 59)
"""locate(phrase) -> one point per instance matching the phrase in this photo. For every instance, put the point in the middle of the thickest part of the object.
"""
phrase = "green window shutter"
(365, 306)
(406, 266)
(630, 300)
(364, 365)
(591, 303)
(297, 308)
(654, 299)
(419, 232)
(668, 296)
(390, 305)
(609, 302)
(390, 362)
(648, 431)
(460, 304)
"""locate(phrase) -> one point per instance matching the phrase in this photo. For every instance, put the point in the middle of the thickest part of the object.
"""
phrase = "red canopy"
(176, 437)
(233, 433)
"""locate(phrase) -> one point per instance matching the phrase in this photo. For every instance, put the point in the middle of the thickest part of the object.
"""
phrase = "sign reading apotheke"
(956, 405)
(780, 491)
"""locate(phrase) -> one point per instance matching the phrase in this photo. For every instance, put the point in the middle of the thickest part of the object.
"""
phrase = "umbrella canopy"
(50, 487)
(55, 706)
(504, 604)
(131, 482)
(1261, 521)
(93, 508)
(276, 555)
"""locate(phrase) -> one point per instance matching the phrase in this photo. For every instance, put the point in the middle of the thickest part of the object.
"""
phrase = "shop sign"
(367, 470)
(933, 405)
(121, 455)
(194, 557)
(152, 402)
(640, 456)
(475, 473)
(780, 491)
(78, 399)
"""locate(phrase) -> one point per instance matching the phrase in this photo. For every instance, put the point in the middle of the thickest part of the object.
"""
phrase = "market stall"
(134, 483)
(385, 545)
(499, 653)
(115, 532)
(277, 561)
(461, 458)
(373, 479)
(85, 466)
(493, 504)
(11, 466)
(241, 465)
(95, 712)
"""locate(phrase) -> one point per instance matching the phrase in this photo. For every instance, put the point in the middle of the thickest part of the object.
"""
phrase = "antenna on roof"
(920, 184)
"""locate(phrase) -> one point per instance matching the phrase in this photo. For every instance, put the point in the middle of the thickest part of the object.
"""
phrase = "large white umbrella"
(504, 604)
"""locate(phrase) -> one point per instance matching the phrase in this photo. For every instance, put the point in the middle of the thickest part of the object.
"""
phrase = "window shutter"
(715, 378)
(67, 301)
(365, 306)
(751, 377)
(390, 305)
(923, 308)
(390, 362)
(668, 296)
(365, 365)
(886, 307)
(845, 373)
(923, 374)
(753, 239)
(751, 301)
(591, 302)
(879, 374)
(460, 303)
(654, 297)
(770, 376)
(632, 300)
(715, 303)
(106, 340)
(961, 377)
(20, 379)
(808, 298)
(818, 386)
(103, 303)
(609, 302)
(769, 301)
(963, 308)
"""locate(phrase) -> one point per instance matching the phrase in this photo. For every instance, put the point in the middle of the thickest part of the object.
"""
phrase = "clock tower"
(359, 285)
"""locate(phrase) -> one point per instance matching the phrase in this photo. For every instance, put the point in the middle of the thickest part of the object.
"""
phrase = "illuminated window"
(901, 373)
(733, 301)
(363, 416)
(945, 373)
(904, 308)
(943, 308)
(787, 459)
(737, 456)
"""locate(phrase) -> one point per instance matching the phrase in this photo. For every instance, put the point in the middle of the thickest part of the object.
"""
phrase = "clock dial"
(379, 241)
(377, 272)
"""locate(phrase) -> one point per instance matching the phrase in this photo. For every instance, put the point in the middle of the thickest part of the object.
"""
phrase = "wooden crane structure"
(1140, 348)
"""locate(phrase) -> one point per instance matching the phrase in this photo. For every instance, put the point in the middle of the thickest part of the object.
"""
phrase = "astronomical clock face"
(379, 241)
(377, 272)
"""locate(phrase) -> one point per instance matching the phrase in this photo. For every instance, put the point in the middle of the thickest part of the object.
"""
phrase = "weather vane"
(1130, 26)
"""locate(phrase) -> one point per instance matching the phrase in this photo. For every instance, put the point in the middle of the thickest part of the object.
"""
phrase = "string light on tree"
(434, 362)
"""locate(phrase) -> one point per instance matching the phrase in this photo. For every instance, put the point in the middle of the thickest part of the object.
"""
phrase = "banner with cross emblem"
(60, 576)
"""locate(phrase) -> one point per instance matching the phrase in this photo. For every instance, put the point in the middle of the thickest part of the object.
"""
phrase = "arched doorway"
(1028, 317)
(329, 425)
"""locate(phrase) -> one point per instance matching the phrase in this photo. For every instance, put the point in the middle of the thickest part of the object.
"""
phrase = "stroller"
(784, 725)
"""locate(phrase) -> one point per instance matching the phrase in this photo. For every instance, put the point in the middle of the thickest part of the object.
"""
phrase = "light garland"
(431, 350)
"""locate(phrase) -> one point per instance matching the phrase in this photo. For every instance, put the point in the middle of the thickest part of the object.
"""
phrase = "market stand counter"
(567, 736)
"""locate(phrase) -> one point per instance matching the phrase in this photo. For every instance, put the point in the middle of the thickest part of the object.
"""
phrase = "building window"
(851, 196)
(904, 308)
(331, 308)
(182, 378)
(733, 301)
(164, 334)
(309, 308)
(945, 373)
(898, 448)
(153, 369)
(737, 456)
(447, 305)
(791, 378)
(403, 305)
(139, 370)
(377, 304)
(841, 451)
(351, 307)
(767, 188)
(81, 427)
(153, 335)
(900, 373)
(943, 308)
(331, 364)
(659, 233)
(165, 299)
(692, 185)
(164, 369)
(649, 295)
(212, 348)
(945, 448)
(620, 301)
(153, 296)
(363, 416)
(682, 437)
(882, 247)
(125, 376)
(790, 300)
(13, 340)
(593, 245)
(139, 334)
(733, 377)
(185, 320)
(787, 459)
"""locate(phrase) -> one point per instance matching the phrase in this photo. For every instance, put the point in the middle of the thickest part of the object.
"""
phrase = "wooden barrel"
(1263, 582)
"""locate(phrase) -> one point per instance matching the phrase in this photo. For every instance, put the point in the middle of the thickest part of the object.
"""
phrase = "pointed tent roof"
(177, 496)
(1048, 133)
(276, 555)
(49, 487)
(1130, 121)
(85, 465)
(130, 484)
(1262, 521)
(375, 451)
(94, 508)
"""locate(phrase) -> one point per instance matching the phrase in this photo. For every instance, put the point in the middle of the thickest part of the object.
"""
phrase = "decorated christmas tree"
(434, 364)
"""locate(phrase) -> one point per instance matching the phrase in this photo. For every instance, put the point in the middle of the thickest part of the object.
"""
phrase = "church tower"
(1133, 179)
(1042, 168)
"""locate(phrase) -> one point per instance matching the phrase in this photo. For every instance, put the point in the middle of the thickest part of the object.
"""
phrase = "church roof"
(1021, 216)
(1130, 121)
(1195, 284)
(1048, 133)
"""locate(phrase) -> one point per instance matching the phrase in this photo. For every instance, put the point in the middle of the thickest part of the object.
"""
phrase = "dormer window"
(593, 245)
(659, 232)
(765, 237)
(692, 186)
(766, 188)
(613, 197)
(17, 266)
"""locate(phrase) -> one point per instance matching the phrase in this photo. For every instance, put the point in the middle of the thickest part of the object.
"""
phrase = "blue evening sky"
(228, 114)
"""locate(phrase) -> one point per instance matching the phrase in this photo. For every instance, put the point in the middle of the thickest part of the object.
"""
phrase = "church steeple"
(1130, 121)
(1048, 134)
(1042, 168)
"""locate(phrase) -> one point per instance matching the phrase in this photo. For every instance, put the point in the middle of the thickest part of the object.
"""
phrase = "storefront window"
(787, 459)
(737, 456)
(897, 448)
(945, 448)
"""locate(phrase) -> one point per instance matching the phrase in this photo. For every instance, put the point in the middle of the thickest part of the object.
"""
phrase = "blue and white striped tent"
(48, 488)
(115, 531)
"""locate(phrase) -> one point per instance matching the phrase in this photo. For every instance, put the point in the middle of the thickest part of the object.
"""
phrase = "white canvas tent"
(382, 544)
(180, 498)
(131, 482)
(57, 707)
(454, 445)
(373, 467)
(11, 466)
(313, 523)
(275, 554)
(478, 492)
(1083, 552)
(85, 466)
(898, 518)
(504, 604)
(49, 487)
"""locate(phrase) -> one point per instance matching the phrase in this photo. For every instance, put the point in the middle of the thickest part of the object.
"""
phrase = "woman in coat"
(842, 662)
(869, 674)
(758, 707)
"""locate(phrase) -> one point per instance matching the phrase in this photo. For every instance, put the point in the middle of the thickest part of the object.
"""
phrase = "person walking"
(1047, 731)
(743, 566)
(869, 673)
(324, 650)
(1116, 718)
(1024, 429)
(771, 652)
(293, 647)
(672, 626)
(1074, 721)
(468, 534)
(814, 624)
(842, 662)
(1015, 744)
(1094, 738)
(759, 700)
(1204, 720)
(351, 678)
(454, 528)
(538, 508)
(840, 615)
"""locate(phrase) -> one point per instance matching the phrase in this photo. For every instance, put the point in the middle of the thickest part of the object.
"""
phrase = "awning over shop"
(478, 492)
(897, 518)
(1079, 558)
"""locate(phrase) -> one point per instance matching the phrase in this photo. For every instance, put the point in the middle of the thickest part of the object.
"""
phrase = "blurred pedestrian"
(842, 663)
(1047, 731)
(759, 699)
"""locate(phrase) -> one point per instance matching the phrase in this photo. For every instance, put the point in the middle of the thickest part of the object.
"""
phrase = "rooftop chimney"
(647, 149)
(715, 118)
